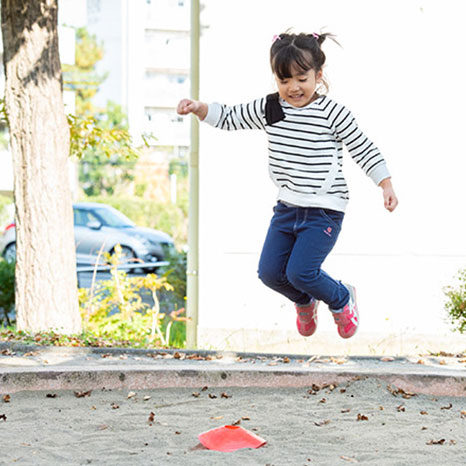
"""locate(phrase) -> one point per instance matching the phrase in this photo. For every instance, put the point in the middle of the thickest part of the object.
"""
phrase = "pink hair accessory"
(315, 35)
(275, 38)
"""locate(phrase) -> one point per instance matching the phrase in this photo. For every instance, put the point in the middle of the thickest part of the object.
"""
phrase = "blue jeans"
(297, 243)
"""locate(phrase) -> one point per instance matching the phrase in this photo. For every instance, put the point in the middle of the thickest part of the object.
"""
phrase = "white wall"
(400, 70)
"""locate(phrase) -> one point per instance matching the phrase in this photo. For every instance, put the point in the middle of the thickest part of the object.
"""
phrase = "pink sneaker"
(347, 319)
(306, 320)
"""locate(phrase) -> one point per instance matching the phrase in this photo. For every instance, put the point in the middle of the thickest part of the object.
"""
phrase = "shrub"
(7, 288)
(114, 308)
(455, 304)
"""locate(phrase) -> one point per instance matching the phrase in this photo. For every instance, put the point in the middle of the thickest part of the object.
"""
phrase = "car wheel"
(10, 253)
(127, 256)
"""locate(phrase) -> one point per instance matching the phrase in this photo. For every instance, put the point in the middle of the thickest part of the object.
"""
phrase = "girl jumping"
(306, 132)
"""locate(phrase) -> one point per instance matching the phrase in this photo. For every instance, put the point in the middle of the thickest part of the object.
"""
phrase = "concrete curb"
(138, 378)
(63, 368)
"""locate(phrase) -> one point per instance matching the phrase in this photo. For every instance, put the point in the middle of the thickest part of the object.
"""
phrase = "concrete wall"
(401, 73)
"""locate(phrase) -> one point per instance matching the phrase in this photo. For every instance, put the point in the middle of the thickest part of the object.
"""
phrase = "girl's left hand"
(389, 196)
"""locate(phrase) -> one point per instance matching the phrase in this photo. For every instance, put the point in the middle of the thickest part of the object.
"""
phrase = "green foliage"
(176, 275)
(169, 218)
(455, 304)
(82, 77)
(115, 308)
(7, 287)
(4, 203)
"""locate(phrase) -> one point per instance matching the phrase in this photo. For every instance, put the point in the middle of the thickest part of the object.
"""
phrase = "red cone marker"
(230, 438)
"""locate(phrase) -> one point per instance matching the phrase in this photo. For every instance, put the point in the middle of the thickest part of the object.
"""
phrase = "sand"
(363, 422)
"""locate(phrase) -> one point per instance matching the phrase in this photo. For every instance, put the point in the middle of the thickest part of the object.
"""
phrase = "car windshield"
(113, 218)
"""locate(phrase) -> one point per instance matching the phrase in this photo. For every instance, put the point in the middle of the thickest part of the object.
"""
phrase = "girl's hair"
(297, 52)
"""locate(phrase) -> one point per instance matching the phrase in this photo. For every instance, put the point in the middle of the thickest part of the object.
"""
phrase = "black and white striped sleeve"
(363, 151)
(236, 117)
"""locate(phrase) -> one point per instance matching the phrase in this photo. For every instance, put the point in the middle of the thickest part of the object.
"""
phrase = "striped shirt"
(306, 148)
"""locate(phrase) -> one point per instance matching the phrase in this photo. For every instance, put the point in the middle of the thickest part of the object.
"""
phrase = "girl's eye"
(303, 80)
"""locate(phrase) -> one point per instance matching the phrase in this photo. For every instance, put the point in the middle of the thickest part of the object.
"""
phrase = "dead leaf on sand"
(2, 417)
(216, 418)
(447, 407)
(151, 418)
(463, 414)
(196, 394)
(362, 417)
(346, 411)
(225, 395)
(82, 394)
(146, 398)
(322, 423)
(51, 395)
(236, 423)
(212, 396)
(387, 359)
(131, 395)
(115, 406)
(6, 398)
(401, 409)
(436, 442)
(423, 413)
(350, 460)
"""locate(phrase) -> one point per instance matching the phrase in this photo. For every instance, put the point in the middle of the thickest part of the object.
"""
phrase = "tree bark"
(46, 285)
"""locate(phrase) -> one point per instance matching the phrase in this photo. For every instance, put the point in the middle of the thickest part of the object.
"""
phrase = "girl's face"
(300, 89)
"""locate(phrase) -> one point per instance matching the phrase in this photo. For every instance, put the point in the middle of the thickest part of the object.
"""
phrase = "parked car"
(99, 226)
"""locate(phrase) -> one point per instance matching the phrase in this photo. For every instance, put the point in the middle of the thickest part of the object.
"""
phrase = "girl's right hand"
(187, 106)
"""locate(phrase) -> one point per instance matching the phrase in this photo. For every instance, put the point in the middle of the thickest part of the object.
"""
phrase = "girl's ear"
(319, 75)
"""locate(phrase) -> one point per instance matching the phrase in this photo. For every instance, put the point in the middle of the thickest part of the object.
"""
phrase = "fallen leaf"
(401, 409)
(323, 400)
(424, 413)
(322, 423)
(151, 418)
(387, 359)
(196, 394)
(421, 361)
(106, 355)
(131, 395)
(286, 360)
(146, 398)
(102, 427)
(273, 363)
(347, 458)
(362, 417)
(346, 411)
(2, 417)
(51, 395)
(463, 414)
(212, 396)
(339, 360)
(452, 442)
(436, 442)
(82, 394)
(216, 418)
(245, 418)
(447, 407)
(203, 389)
(442, 362)
(7, 352)
(381, 408)
(177, 432)
(236, 423)
(225, 395)
(423, 428)
(31, 353)
(6, 398)
(115, 406)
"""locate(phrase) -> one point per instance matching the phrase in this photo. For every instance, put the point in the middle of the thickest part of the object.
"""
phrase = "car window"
(83, 217)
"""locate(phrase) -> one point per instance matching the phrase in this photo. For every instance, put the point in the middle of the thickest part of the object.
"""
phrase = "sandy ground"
(364, 422)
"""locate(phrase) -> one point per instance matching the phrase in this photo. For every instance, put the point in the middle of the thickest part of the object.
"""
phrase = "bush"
(169, 218)
(114, 309)
(7, 288)
(455, 304)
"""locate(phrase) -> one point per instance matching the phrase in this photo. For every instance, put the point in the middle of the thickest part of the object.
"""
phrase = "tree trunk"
(46, 285)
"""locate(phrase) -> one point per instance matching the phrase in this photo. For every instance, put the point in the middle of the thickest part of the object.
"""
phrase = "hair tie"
(315, 35)
(275, 38)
